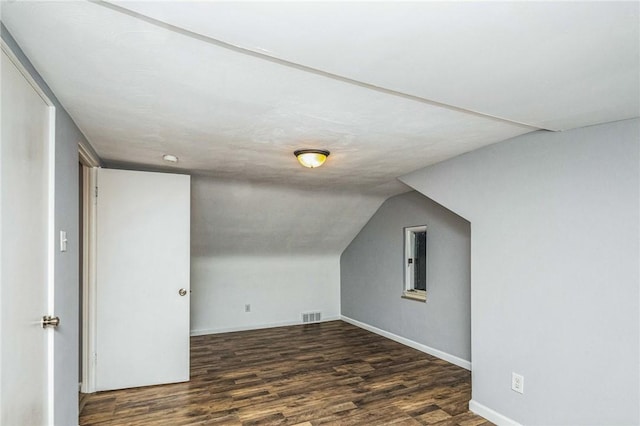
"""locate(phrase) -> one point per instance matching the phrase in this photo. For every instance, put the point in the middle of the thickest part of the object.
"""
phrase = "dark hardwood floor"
(328, 373)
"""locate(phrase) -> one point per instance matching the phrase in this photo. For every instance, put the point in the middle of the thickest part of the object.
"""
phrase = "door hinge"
(96, 192)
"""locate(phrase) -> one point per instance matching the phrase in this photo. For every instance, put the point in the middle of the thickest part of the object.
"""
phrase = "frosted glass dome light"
(311, 158)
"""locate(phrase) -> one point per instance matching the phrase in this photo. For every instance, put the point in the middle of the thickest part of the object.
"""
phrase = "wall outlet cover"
(517, 383)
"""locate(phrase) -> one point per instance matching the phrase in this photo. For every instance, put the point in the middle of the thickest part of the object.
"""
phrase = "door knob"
(182, 292)
(49, 321)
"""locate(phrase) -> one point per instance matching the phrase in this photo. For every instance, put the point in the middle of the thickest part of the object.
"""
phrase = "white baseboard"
(491, 415)
(204, 331)
(415, 345)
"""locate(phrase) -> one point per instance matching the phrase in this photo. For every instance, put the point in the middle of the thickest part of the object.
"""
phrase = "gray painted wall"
(555, 271)
(66, 264)
(372, 274)
(255, 243)
(240, 218)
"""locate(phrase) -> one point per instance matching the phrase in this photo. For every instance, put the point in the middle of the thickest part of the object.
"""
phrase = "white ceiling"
(233, 88)
(553, 65)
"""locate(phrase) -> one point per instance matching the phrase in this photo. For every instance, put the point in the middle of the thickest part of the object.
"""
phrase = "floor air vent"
(311, 317)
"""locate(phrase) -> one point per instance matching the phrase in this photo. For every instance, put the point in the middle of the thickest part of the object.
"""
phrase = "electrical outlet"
(517, 383)
(247, 308)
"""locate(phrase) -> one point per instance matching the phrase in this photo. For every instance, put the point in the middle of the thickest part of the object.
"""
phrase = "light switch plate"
(63, 240)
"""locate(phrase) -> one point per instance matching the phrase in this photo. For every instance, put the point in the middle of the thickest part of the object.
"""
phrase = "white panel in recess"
(142, 263)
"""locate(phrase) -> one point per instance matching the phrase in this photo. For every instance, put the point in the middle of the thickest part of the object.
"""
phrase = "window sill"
(420, 296)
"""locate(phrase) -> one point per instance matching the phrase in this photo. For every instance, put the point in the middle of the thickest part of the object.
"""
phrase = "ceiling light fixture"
(311, 158)
(170, 158)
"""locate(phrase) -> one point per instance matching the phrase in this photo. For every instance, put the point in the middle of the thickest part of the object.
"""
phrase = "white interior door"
(143, 261)
(26, 234)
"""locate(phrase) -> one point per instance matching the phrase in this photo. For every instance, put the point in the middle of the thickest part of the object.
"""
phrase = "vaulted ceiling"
(233, 88)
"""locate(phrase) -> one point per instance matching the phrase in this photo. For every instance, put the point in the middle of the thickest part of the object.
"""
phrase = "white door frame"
(51, 238)
(90, 164)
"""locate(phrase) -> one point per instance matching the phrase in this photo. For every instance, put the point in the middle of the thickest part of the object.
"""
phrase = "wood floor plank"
(307, 375)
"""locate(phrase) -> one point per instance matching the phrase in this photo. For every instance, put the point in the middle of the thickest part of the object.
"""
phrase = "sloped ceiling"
(233, 88)
(276, 219)
(553, 65)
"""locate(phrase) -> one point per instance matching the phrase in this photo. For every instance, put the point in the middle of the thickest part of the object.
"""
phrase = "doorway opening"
(87, 166)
